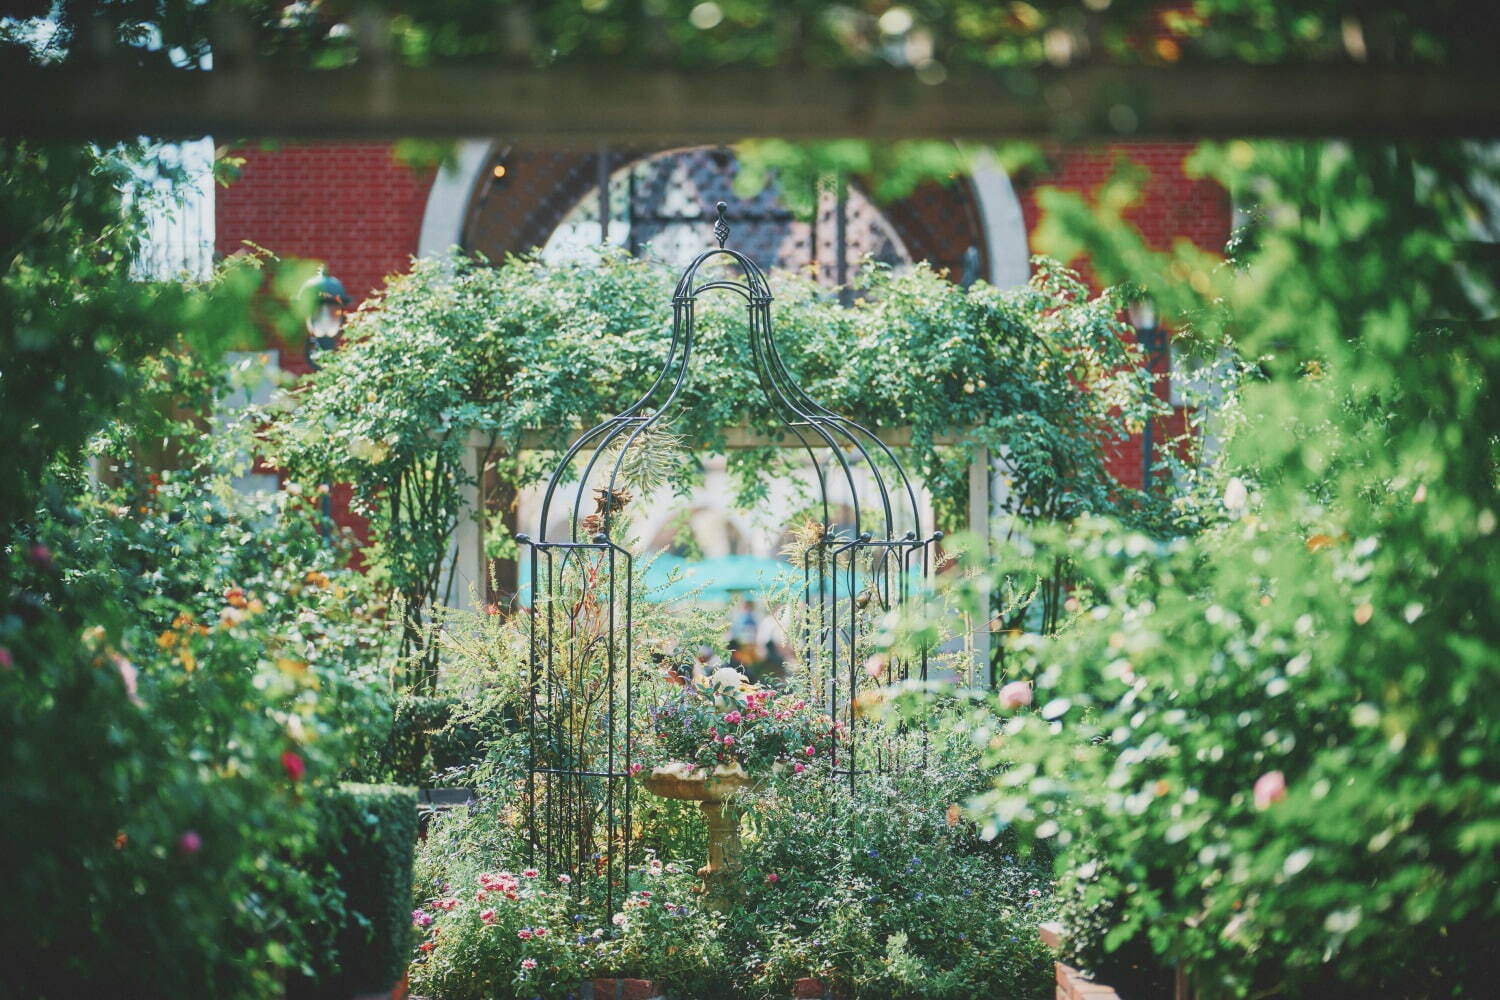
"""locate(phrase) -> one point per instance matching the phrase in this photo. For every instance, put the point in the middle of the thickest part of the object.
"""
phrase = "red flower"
(772, 878)
(292, 763)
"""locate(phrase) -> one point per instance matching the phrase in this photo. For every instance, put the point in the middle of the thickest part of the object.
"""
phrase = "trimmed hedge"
(367, 838)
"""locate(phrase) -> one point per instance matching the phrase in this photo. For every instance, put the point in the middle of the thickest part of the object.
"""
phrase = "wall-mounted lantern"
(1153, 340)
(329, 302)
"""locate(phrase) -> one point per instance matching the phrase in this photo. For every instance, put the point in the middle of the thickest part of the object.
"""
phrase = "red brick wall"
(1172, 206)
(350, 205)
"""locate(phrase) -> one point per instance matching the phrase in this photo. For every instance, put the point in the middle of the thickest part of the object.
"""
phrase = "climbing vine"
(1040, 375)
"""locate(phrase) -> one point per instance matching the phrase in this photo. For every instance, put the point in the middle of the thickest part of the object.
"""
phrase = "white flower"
(727, 677)
(1236, 496)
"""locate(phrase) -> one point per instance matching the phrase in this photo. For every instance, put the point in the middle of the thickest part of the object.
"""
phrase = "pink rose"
(39, 556)
(1016, 694)
(810, 751)
(635, 769)
(189, 843)
(798, 767)
(7, 661)
(732, 718)
(1270, 788)
(729, 741)
(773, 878)
(293, 765)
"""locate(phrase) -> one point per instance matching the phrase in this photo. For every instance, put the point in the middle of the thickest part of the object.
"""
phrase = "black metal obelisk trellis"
(583, 726)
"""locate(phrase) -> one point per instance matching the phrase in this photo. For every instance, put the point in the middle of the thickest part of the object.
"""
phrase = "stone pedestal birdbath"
(711, 789)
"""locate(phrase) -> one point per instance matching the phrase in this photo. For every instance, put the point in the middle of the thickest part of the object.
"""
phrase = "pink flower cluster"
(505, 884)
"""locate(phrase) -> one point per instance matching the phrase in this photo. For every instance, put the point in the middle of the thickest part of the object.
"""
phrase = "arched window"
(658, 204)
(507, 199)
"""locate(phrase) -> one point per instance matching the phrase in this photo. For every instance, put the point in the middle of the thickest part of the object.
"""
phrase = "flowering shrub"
(211, 714)
(522, 934)
(1270, 753)
(892, 894)
(723, 720)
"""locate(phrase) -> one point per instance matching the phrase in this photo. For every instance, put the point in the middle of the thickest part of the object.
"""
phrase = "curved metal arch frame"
(834, 598)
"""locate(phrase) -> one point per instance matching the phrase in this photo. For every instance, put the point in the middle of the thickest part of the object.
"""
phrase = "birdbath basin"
(711, 789)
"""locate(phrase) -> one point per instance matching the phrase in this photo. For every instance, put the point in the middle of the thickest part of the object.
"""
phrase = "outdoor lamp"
(327, 319)
(1153, 340)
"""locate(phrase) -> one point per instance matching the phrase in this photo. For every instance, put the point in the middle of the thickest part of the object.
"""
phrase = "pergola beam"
(580, 103)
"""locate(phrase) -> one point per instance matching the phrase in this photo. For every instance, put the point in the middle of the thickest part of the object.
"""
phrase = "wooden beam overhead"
(573, 104)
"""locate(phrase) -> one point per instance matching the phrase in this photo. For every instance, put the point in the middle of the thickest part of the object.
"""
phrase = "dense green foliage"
(367, 835)
(170, 698)
(926, 36)
(1269, 751)
(73, 322)
(891, 895)
(890, 892)
(454, 348)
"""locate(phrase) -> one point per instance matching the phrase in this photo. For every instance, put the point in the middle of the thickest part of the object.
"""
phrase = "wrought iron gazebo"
(584, 722)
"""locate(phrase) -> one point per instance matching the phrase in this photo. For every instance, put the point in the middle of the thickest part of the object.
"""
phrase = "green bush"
(435, 741)
(172, 698)
(886, 891)
(1270, 752)
(367, 836)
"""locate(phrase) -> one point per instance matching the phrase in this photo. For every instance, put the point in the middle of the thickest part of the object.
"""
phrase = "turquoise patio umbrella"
(719, 579)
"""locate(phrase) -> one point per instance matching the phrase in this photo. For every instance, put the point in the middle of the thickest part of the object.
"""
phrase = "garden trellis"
(584, 722)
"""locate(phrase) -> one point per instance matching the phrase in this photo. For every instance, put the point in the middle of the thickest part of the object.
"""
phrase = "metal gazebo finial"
(721, 228)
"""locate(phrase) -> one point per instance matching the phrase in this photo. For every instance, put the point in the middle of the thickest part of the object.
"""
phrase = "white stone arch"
(448, 198)
(1004, 224)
